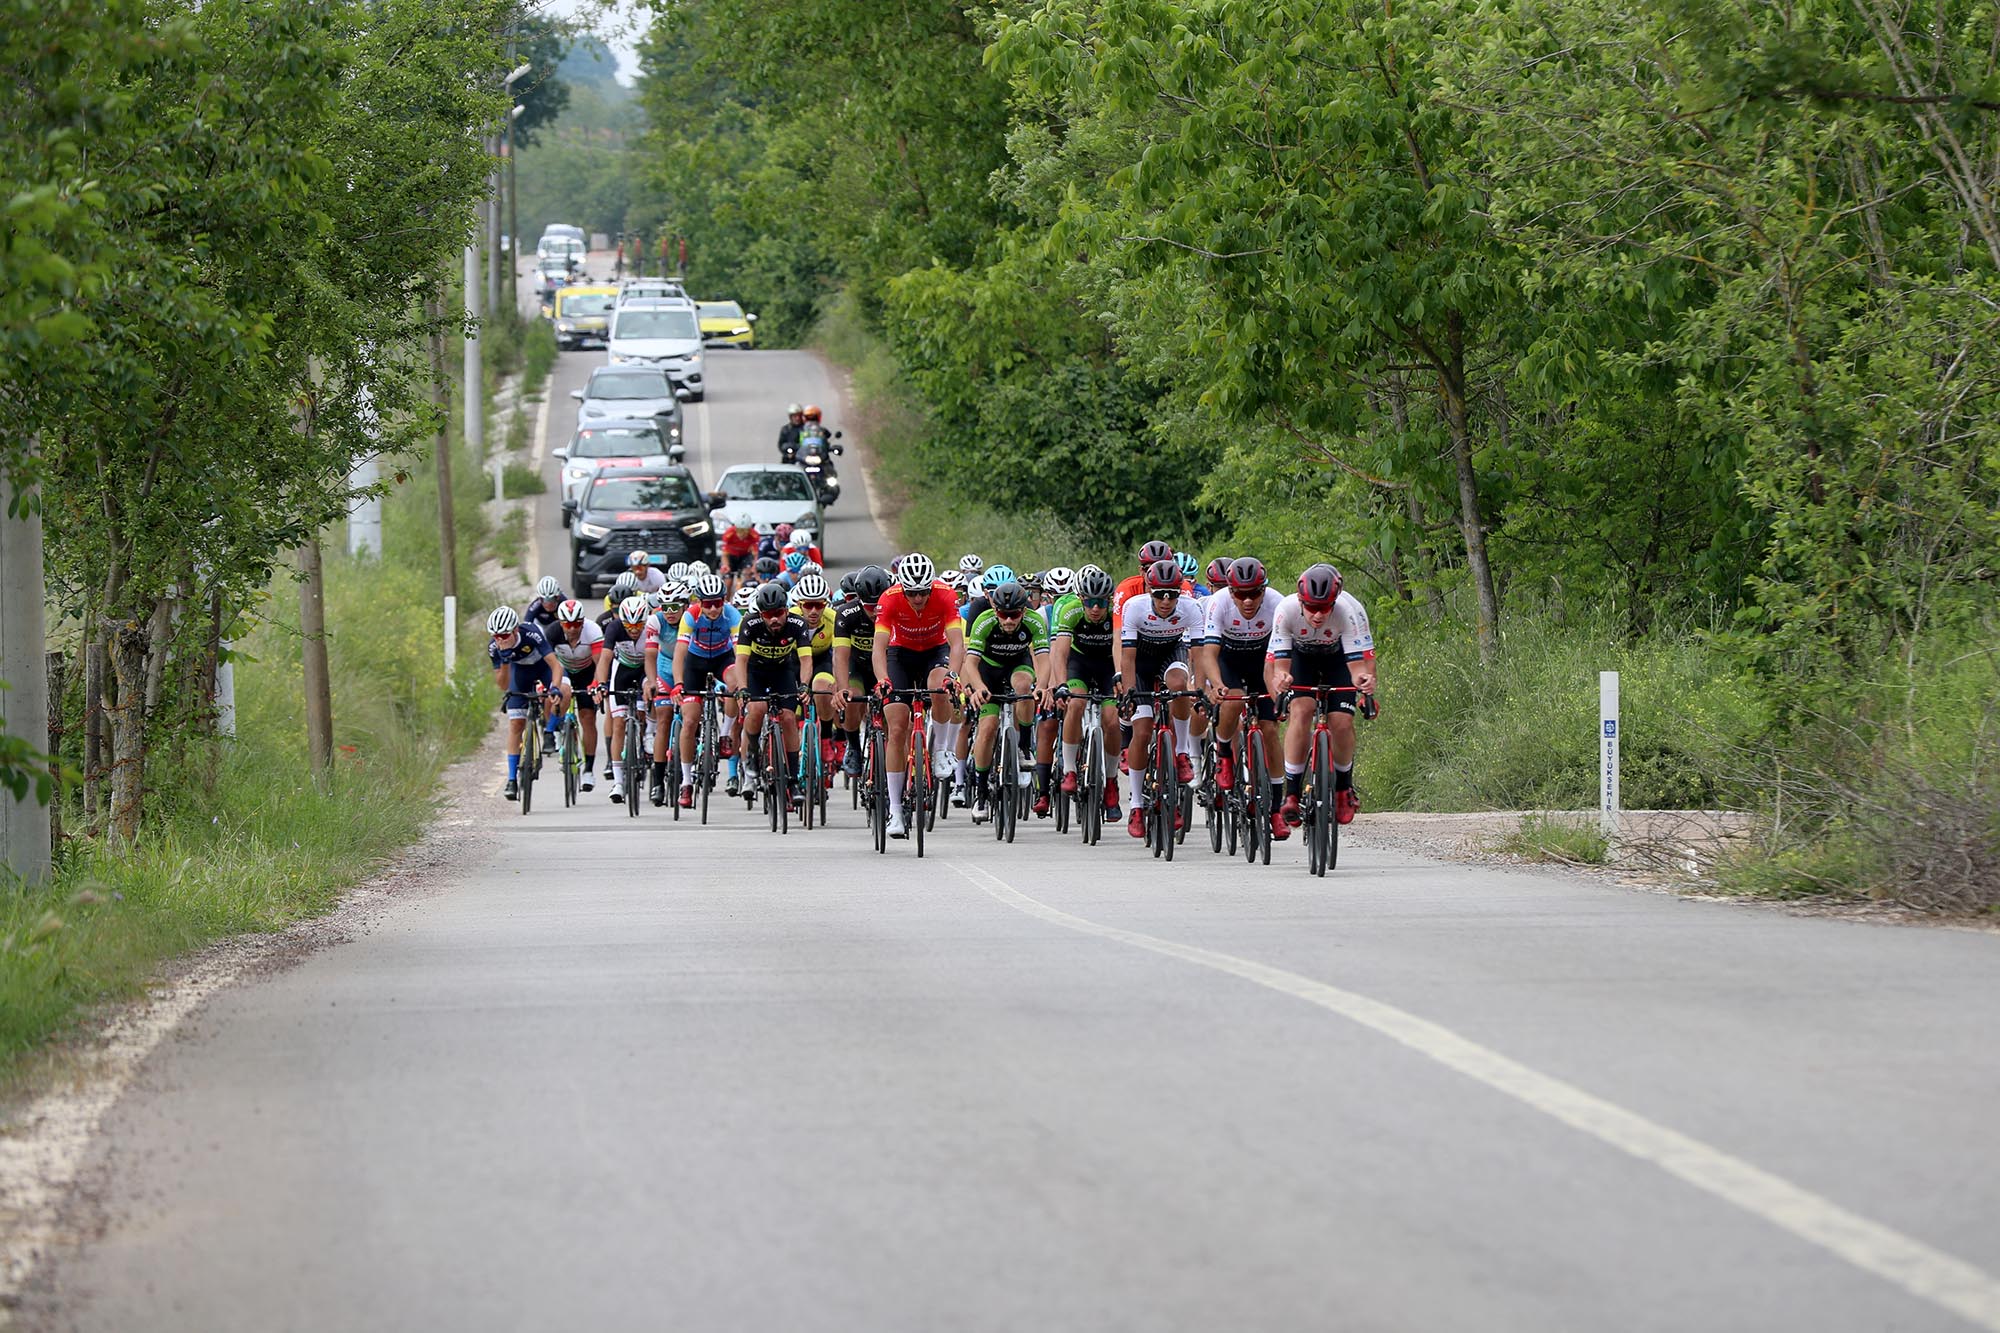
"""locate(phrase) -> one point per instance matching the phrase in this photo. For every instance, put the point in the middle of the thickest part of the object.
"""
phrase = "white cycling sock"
(1184, 736)
(1069, 749)
(1292, 770)
(728, 724)
(896, 793)
(1134, 783)
(1347, 767)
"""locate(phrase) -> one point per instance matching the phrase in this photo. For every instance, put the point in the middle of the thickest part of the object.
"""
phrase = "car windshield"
(584, 303)
(644, 493)
(774, 485)
(657, 324)
(721, 310)
(616, 442)
(631, 384)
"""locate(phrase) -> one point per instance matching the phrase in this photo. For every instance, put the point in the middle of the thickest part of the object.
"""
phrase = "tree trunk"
(93, 713)
(159, 639)
(447, 519)
(128, 642)
(58, 681)
(1399, 412)
(1452, 384)
(312, 632)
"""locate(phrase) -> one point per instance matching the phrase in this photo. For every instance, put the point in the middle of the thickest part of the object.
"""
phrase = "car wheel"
(701, 397)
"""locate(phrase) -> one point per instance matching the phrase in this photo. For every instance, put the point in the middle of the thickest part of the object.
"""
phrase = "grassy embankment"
(261, 845)
(1893, 793)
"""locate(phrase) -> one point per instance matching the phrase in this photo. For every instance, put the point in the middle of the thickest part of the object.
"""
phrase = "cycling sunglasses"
(715, 605)
(1169, 594)
(1096, 603)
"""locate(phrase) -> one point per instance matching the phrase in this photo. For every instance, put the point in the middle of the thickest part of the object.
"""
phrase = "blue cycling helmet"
(996, 576)
(1189, 568)
(794, 560)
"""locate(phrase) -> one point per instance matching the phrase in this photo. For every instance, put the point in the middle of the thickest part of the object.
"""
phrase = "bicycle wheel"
(1256, 798)
(1332, 814)
(919, 782)
(568, 747)
(1320, 819)
(781, 774)
(1090, 788)
(808, 774)
(1170, 794)
(878, 791)
(1213, 803)
(1003, 776)
(530, 752)
(634, 729)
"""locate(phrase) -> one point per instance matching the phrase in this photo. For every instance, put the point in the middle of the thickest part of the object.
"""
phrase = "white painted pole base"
(225, 696)
(450, 639)
(1607, 766)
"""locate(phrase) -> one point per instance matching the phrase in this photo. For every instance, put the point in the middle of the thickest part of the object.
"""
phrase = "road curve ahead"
(615, 1073)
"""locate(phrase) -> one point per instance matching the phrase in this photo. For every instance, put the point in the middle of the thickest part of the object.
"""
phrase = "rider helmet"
(972, 565)
(810, 588)
(504, 620)
(698, 567)
(709, 587)
(812, 412)
(570, 613)
(1060, 580)
(624, 586)
(638, 560)
(1318, 587)
(795, 561)
(1247, 575)
(632, 610)
(766, 568)
(1092, 582)
(794, 410)
(1152, 552)
(677, 572)
(1218, 571)
(1189, 569)
(870, 582)
(772, 597)
(781, 531)
(1163, 576)
(1008, 597)
(953, 579)
(996, 576)
(746, 597)
(915, 570)
(548, 587)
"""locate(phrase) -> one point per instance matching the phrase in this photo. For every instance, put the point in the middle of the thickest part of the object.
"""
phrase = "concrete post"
(25, 849)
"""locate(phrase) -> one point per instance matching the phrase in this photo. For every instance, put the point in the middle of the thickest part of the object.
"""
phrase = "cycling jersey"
(739, 541)
(1010, 649)
(1052, 613)
(627, 649)
(854, 626)
(1345, 629)
(1155, 634)
(711, 636)
(822, 636)
(1232, 631)
(580, 654)
(767, 647)
(1087, 637)
(541, 613)
(911, 627)
(526, 667)
(661, 636)
(1134, 584)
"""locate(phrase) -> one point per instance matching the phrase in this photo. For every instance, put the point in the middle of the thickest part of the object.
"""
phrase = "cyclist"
(577, 644)
(621, 667)
(622, 587)
(1149, 554)
(738, 547)
(522, 665)
(1009, 647)
(640, 565)
(812, 604)
(854, 655)
(1082, 656)
(1190, 576)
(766, 568)
(802, 540)
(774, 650)
(971, 565)
(1218, 574)
(919, 642)
(1154, 633)
(663, 628)
(541, 611)
(705, 653)
(1321, 638)
(1235, 643)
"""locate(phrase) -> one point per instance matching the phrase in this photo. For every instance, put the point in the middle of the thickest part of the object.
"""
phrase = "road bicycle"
(631, 748)
(921, 792)
(1091, 773)
(1245, 808)
(811, 776)
(531, 745)
(1161, 788)
(708, 743)
(873, 788)
(569, 752)
(1319, 820)
(1009, 801)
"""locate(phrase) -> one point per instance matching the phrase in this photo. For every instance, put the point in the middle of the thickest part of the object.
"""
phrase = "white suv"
(664, 334)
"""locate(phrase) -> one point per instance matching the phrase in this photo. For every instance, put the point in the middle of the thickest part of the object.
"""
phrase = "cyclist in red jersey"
(1130, 587)
(919, 641)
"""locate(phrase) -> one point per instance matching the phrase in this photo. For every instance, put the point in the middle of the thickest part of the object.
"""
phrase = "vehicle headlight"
(809, 519)
(576, 473)
(592, 531)
(619, 358)
(740, 330)
(674, 431)
(566, 325)
(700, 528)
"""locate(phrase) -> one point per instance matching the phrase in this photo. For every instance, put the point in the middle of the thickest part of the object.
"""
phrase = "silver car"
(772, 493)
(631, 391)
(598, 443)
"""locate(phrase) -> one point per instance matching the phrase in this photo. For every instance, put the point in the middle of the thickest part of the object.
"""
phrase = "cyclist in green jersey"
(1009, 645)
(1082, 656)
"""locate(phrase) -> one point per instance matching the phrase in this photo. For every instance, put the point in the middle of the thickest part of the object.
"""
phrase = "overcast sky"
(618, 22)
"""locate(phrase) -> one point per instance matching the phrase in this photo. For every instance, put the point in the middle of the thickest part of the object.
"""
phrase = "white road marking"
(1931, 1275)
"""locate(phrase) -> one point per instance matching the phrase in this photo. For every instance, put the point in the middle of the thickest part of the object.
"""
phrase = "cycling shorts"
(701, 669)
(1325, 669)
(861, 672)
(1245, 671)
(516, 705)
(732, 564)
(910, 668)
(1091, 673)
(624, 677)
(580, 680)
(1153, 669)
(778, 689)
(1000, 680)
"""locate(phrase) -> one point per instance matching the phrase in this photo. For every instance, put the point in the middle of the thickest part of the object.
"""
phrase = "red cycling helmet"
(1163, 576)
(1152, 553)
(1247, 575)
(1217, 572)
(1318, 586)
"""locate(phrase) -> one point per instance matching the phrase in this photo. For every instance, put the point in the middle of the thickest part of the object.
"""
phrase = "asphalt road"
(607, 1073)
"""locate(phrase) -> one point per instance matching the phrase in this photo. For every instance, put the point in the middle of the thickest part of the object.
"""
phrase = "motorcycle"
(815, 455)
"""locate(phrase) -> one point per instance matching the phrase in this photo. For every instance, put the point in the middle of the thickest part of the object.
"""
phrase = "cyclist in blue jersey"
(522, 664)
(705, 652)
(663, 628)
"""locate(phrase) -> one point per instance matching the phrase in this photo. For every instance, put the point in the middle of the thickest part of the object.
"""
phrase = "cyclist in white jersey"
(1155, 632)
(577, 642)
(1321, 638)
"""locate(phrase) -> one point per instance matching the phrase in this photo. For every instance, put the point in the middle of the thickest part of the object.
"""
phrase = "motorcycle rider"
(788, 434)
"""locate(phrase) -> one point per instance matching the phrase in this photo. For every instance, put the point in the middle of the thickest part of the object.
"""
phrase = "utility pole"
(475, 382)
(364, 523)
(491, 209)
(25, 848)
(513, 220)
(312, 635)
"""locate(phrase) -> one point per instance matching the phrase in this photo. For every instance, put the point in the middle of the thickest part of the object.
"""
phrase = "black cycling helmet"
(1163, 576)
(767, 567)
(1247, 575)
(847, 581)
(773, 597)
(1318, 586)
(870, 582)
(1009, 596)
(1152, 553)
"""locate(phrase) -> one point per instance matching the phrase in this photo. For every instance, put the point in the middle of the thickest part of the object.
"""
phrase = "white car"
(664, 334)
(772, 493)
(613, 442)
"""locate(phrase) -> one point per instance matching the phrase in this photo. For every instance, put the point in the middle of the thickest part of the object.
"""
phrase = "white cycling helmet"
(638, 560)
(746, 597)
(809, 588)
(570, 612)
(677, 572)
(548, 587)
(708, 587)
(504, 620)
(972, 565)
(802, 537)
(915, 570)
(953, 579)
(1060, 580)
(632, 610)
(698, 567)
(795, 409)
(743, 520)
(624, 586)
